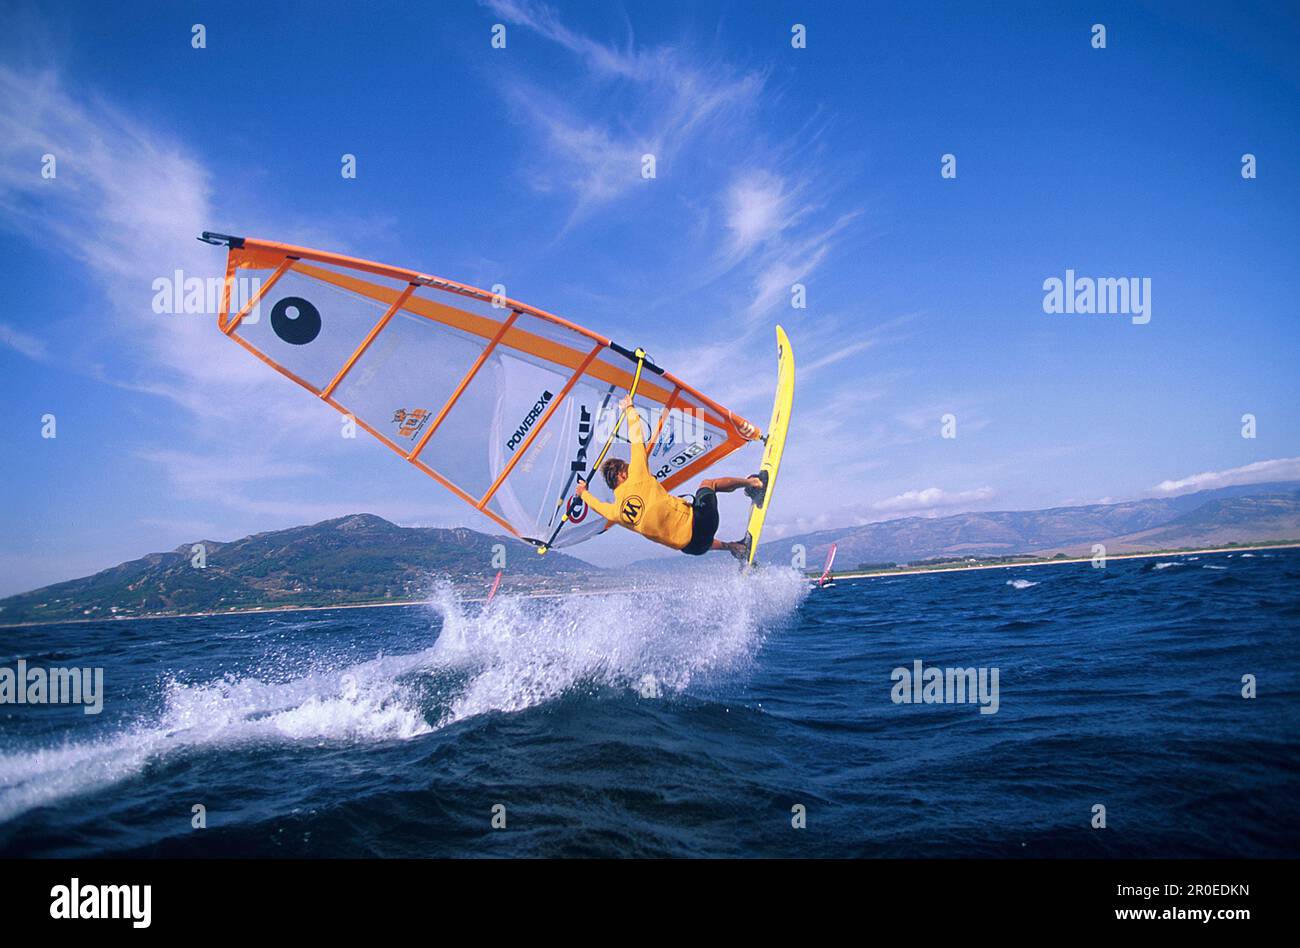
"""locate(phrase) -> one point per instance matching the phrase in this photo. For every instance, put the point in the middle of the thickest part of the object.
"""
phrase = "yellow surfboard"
(775, 437)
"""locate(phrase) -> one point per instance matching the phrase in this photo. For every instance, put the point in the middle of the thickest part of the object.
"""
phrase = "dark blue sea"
(699, 716)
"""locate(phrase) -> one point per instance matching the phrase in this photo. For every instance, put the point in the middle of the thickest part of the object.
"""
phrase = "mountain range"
(1250, 513)
(365, 559)
(359, 558)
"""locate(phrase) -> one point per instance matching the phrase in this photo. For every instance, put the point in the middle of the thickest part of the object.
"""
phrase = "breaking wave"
(518, 653)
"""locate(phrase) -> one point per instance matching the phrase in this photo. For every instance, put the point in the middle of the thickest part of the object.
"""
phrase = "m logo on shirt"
(632, 508)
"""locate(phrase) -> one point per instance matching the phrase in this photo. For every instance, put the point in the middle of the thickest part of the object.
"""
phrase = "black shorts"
(704, 522)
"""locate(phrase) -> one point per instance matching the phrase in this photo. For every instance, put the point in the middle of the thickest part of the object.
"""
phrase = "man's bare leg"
(736, 548)
(725, 485)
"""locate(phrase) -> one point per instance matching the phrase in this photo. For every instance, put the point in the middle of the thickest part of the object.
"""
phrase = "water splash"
(517, 654)
(523, 652)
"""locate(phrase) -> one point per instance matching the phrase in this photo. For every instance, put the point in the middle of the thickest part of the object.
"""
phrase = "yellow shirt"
(640, 503)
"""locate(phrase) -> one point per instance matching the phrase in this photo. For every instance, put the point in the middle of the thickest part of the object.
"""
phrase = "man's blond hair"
(612, 469)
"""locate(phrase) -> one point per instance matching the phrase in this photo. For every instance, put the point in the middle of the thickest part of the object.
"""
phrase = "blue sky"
(775, 165)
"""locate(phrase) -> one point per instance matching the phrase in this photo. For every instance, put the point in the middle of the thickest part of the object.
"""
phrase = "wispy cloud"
(931, 499)
(787, 257)
(623, 104)
(1279, 469)
(696, 114)
(758, 207)
(209, 474)
(122, 211)
(257, 487)
(23, 343)
(923, 502)
(745, 203)
(602, 58)
(825, 342)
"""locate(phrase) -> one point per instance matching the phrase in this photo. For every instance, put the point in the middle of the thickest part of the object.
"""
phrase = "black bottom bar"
(926, 898)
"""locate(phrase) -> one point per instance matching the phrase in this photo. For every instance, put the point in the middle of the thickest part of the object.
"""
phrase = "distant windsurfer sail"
(497, 401)
(826, 581)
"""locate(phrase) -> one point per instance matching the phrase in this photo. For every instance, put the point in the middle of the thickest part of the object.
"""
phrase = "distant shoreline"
(909, 571)
(263, 610)
(901, 571)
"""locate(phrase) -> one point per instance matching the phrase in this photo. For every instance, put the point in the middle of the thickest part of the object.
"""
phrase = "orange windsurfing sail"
(497, 401)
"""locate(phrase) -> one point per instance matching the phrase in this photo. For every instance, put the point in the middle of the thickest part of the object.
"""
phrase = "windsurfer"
(642, 505)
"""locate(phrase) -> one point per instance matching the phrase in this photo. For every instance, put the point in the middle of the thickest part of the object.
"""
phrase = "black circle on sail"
(300, 328)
